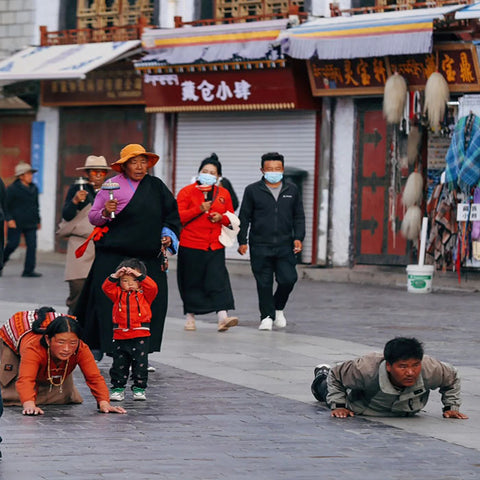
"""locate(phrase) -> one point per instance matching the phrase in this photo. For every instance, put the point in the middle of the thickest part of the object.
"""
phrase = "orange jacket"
(201, 233)
(131, 309)
(33, 369)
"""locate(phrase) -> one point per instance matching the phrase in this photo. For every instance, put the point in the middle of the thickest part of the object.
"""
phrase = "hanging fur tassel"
(413, 144)
(412, 223)
(436, 98)
(413, 191)
(394, 98)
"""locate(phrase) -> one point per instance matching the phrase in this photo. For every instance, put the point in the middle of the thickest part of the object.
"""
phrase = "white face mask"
(273, 177)
(207, 179)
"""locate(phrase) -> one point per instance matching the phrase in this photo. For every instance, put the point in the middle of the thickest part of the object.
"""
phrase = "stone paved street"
(237, 405)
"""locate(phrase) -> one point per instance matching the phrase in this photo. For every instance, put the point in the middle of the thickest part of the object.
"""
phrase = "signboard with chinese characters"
(458, 63)
(118, 84)
(226, 90)
(466, 212)
(347, 77)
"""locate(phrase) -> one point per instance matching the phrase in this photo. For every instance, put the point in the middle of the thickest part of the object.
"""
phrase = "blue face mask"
(207, 179)
(273, 177)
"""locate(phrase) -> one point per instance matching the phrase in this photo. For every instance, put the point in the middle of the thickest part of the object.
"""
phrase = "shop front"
(354, 78)
(238, 109)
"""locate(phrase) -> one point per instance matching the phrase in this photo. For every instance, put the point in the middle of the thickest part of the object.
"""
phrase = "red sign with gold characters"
(458, 63)
(256, 89)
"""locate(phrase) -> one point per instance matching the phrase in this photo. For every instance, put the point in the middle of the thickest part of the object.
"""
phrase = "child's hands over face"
(131, 271)
(120, 272)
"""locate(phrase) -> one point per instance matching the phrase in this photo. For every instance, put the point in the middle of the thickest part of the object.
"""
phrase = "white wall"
(172, 8)
(46, 13)
(46, 235)
(343, 148)
(160, 147)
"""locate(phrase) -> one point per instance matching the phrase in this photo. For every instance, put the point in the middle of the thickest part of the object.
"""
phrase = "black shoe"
(322, 370)
(31, 274)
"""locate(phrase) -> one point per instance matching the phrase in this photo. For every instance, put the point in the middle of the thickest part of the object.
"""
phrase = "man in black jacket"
(273, 209)
(23, 217)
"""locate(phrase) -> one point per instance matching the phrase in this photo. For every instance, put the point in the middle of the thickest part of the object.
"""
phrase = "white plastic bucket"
(419, 278)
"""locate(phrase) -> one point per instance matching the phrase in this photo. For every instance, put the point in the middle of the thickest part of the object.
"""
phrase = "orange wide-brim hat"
(133, 150)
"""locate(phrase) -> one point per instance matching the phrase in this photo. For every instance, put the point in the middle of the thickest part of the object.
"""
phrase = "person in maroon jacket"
(132, 292)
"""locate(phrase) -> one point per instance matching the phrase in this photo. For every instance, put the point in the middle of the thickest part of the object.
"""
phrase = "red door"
(95, 131)
(377, 238)
(15, 143)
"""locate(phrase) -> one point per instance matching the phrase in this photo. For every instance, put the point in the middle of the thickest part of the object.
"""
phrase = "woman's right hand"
(205, 206)
(29, 408)
(110, 206)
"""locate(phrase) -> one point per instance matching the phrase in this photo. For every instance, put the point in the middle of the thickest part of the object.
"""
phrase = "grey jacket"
(363, 386)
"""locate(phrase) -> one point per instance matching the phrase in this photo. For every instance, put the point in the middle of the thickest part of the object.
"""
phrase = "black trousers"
(13, 240)
(130, 353)
(319, 388)
(267, 263)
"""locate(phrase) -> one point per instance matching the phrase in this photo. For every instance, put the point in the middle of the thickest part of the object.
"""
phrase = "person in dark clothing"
(273, 210)
(3, 213)
(145, 224)
(23, 217)
(76, 226)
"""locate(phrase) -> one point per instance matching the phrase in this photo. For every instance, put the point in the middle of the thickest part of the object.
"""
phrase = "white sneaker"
(151, 368)
(117, 394)
(139, 393)
(280, 320)
(266, 324)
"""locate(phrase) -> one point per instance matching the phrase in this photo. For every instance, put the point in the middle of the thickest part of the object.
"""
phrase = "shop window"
(108, 13)
(382, 3)
(243, 8)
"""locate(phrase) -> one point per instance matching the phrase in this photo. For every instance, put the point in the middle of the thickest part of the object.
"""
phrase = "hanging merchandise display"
(441, 210)
(437, 95)
(394, 98)
(463, 157)
(413, 144)
(411, 199)
(455, 231)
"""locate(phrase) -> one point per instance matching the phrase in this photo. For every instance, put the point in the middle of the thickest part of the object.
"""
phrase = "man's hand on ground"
(454, 414)
(342, 413)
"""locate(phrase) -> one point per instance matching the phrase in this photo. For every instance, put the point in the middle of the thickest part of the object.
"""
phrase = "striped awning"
(370, 35)
(216, 43)
(62, 61)
(472, 11)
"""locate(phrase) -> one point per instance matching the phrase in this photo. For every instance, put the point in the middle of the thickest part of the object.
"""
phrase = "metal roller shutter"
(239, 139)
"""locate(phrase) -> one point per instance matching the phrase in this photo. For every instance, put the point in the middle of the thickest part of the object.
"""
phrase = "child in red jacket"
(132, 292)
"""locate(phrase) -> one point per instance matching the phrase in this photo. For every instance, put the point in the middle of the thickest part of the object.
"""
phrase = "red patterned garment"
(19, 324)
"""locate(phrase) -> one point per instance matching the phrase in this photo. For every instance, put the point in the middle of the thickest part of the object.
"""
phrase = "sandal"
(228, 322)
(190, 326)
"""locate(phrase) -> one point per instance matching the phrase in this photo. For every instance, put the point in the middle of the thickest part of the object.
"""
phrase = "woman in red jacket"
(202, 276)
(47, 362)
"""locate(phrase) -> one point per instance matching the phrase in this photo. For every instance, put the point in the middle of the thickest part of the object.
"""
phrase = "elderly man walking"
(23, 217)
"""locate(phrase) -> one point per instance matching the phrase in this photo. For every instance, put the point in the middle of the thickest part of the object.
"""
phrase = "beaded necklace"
(49, 374)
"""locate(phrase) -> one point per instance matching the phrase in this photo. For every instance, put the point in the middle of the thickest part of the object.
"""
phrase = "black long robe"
(136, 232)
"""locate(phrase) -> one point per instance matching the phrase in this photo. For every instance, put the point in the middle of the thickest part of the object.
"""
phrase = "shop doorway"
(94, 131)
(376, 240)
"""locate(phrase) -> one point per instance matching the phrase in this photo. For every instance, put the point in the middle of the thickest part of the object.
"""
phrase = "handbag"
(229, 234)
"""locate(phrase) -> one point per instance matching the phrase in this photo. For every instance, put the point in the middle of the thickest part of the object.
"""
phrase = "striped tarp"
(216, 43)
(370, 35)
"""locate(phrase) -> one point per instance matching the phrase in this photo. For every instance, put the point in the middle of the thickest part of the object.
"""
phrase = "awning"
(472, 11)
(370, 35)
(62, 61)
(216, 43)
